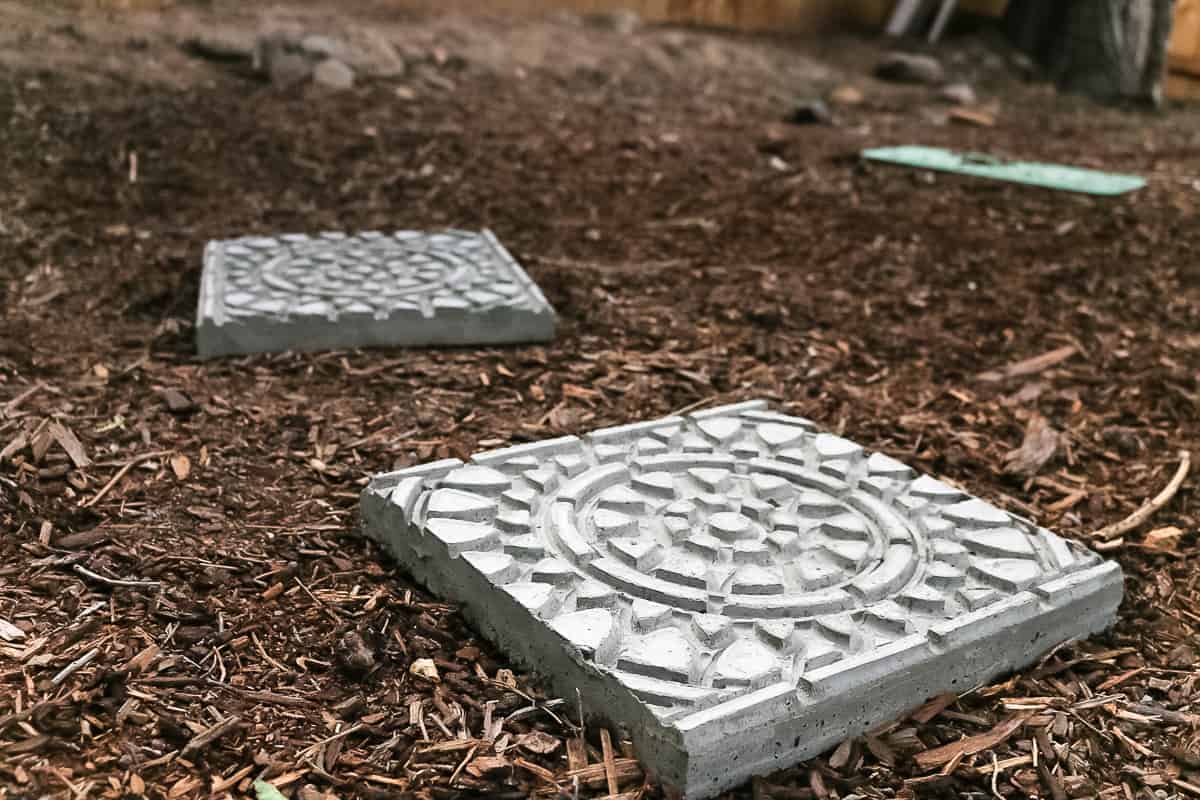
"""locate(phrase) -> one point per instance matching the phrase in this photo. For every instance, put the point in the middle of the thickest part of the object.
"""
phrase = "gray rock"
(321, 47)
(959, 94)
(910, 68)
(810, 111)
(280, 58)
(333, 74)
(354, 656)
(736, 588)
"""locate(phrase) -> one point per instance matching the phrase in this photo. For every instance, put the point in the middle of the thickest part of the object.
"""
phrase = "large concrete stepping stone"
(337, 291)
(736, 589)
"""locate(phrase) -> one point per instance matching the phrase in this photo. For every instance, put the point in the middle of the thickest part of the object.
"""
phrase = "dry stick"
(87, 573)
(1190, 788)
(227, 783)
(463, 764)
(15, 403)
(203, 739)
(82, 661)
(698, 404)
(121, 473)
(1151, 506)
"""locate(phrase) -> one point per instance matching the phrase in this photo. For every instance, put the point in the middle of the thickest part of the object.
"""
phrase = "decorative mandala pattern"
(697, 559)
(390, 285)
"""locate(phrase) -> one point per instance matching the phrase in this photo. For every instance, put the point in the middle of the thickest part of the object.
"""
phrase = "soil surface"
(185, 606)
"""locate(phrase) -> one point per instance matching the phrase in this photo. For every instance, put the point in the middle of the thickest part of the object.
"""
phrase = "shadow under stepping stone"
(736, 589)
(337, 291)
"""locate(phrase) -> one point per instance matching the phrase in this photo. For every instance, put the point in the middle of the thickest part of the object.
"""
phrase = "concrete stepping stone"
(743, 605)
(336, 291)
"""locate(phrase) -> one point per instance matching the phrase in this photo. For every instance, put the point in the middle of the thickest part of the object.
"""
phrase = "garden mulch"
(185, 605)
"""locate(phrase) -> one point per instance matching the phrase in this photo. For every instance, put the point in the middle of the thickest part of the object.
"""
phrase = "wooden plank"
(1188, 65)
(1185, 35)
(1182, 87)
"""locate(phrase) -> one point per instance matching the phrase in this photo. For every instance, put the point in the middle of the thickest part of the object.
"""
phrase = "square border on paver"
(336, 291)
(737, 589)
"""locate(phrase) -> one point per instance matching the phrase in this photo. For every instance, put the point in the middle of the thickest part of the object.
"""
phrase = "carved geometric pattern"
(338, 290)
(709, 566)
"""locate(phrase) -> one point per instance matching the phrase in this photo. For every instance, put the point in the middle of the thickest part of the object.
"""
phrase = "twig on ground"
(78, 663)
(121, 473)
(1151, 506)
(133, 584)
(207, 737)
(15, 403)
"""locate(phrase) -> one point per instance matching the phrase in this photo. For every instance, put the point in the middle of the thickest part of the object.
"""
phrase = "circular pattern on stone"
(364, 273)
(702, 557)
(768, 545)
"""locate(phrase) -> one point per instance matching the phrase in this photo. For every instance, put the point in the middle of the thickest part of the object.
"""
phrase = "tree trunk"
(1113, 50)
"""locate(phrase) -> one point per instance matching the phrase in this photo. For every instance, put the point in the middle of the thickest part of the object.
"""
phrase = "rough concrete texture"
(336, 291)
(736, 589)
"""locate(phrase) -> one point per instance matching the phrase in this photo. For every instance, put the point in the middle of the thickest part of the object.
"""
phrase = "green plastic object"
(267, 791)
(1050, 176)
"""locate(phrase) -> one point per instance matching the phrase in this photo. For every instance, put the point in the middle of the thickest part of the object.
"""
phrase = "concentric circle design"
(696, 558)
(774, 542)
(736, 570)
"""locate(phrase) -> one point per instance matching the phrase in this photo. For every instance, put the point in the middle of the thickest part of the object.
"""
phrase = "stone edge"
(527, 282)
(208, 308)
(851, 696)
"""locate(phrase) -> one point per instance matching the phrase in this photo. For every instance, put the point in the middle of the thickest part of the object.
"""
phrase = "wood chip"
(971, 744)
(610, 767)
(1030, 366)
(1037, 447)
(576, 754)
(597, 774)
(931, 709)
(973, 116)
(202, 740)
(181, 465)
(70, 443)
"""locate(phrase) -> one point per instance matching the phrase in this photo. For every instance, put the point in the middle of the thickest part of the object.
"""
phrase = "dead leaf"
(846, 96)
(10, 632)
(69, 442)
(841, 756)
(539, 742)
(1164, 538)
(1038, 447)
(182, 466)
(177, 402)
(425, 668)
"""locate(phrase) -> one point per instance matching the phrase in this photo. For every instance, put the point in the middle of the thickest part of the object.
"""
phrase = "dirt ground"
(185, 606)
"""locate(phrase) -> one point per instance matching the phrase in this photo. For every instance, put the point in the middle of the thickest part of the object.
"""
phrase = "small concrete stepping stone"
(742, 606)
(336, 291)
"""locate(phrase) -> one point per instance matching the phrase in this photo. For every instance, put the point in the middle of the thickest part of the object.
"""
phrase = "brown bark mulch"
(185, 607)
